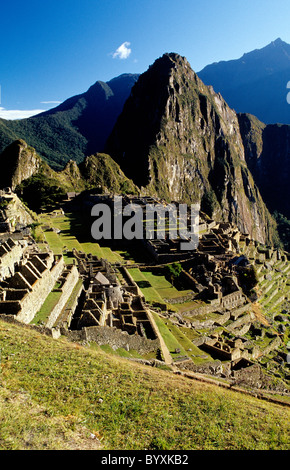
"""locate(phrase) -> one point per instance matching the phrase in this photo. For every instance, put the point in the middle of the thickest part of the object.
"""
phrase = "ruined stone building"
(112, 298)
(27, 278)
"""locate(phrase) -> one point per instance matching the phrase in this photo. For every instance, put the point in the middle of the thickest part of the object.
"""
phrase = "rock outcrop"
(18, 162)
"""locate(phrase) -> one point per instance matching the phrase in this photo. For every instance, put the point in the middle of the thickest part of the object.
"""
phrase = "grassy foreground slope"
(60, 395)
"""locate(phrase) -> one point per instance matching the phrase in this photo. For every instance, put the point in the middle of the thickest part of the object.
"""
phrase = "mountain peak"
(171, 58)
(277, 47)
(177, 139)
(272, 52)
(278, 42)
(174, 56)
(256, 82)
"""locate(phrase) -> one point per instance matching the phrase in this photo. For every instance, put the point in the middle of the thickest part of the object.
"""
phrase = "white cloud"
(123, 51)
(12, 114)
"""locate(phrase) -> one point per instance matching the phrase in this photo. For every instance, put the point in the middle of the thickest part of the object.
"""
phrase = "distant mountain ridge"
(76, 128)
(256, 83)
(94, 112)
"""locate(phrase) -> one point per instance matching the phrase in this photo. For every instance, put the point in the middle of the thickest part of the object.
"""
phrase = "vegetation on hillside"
(47, 188)
(40, 193)
(283, 225)
(59, 395)
(53, 138)
(102, 172)
(74, 129)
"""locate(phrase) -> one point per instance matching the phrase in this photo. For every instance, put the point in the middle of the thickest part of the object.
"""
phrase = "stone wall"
(114, 337)
(232, 300)
(235, 300)
(10, 255)
(272, 346)
(27, 290)
(53, 332)
(121, 339)
(180, 300)
(131, 285)
(243, 320)
(237, 312)
(222, 350)
(67, 287)
(33, 301)
(199, 311)
(66, 316)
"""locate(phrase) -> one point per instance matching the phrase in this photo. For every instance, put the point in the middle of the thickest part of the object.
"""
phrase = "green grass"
(121, 352)
(164, 287)
(176, 338)
(56, 395)
(55, 242)
(183, 338)
(156, 288)
(73, 236)
(169, 338)
(149, 292)
(46, 308)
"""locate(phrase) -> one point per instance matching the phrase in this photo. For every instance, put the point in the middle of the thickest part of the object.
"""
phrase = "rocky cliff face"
(14, 212)
(178, 139)
(18, 162)
(267, 151)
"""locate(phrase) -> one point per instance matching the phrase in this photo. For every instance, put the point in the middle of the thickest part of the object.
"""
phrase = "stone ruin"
(112, 299)
(225, 316)
(210, 271)
(11, 253)
(110, 309)
(24, 292)
(92, 295)
(27, 278)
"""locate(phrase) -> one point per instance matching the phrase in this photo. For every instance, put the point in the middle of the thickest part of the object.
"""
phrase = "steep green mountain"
(267, 155)
(256, 83)
(101, 171)
(178, 139)
(41, 187)
(74, 129)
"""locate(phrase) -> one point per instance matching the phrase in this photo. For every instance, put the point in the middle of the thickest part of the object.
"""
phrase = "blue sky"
(51, 50)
